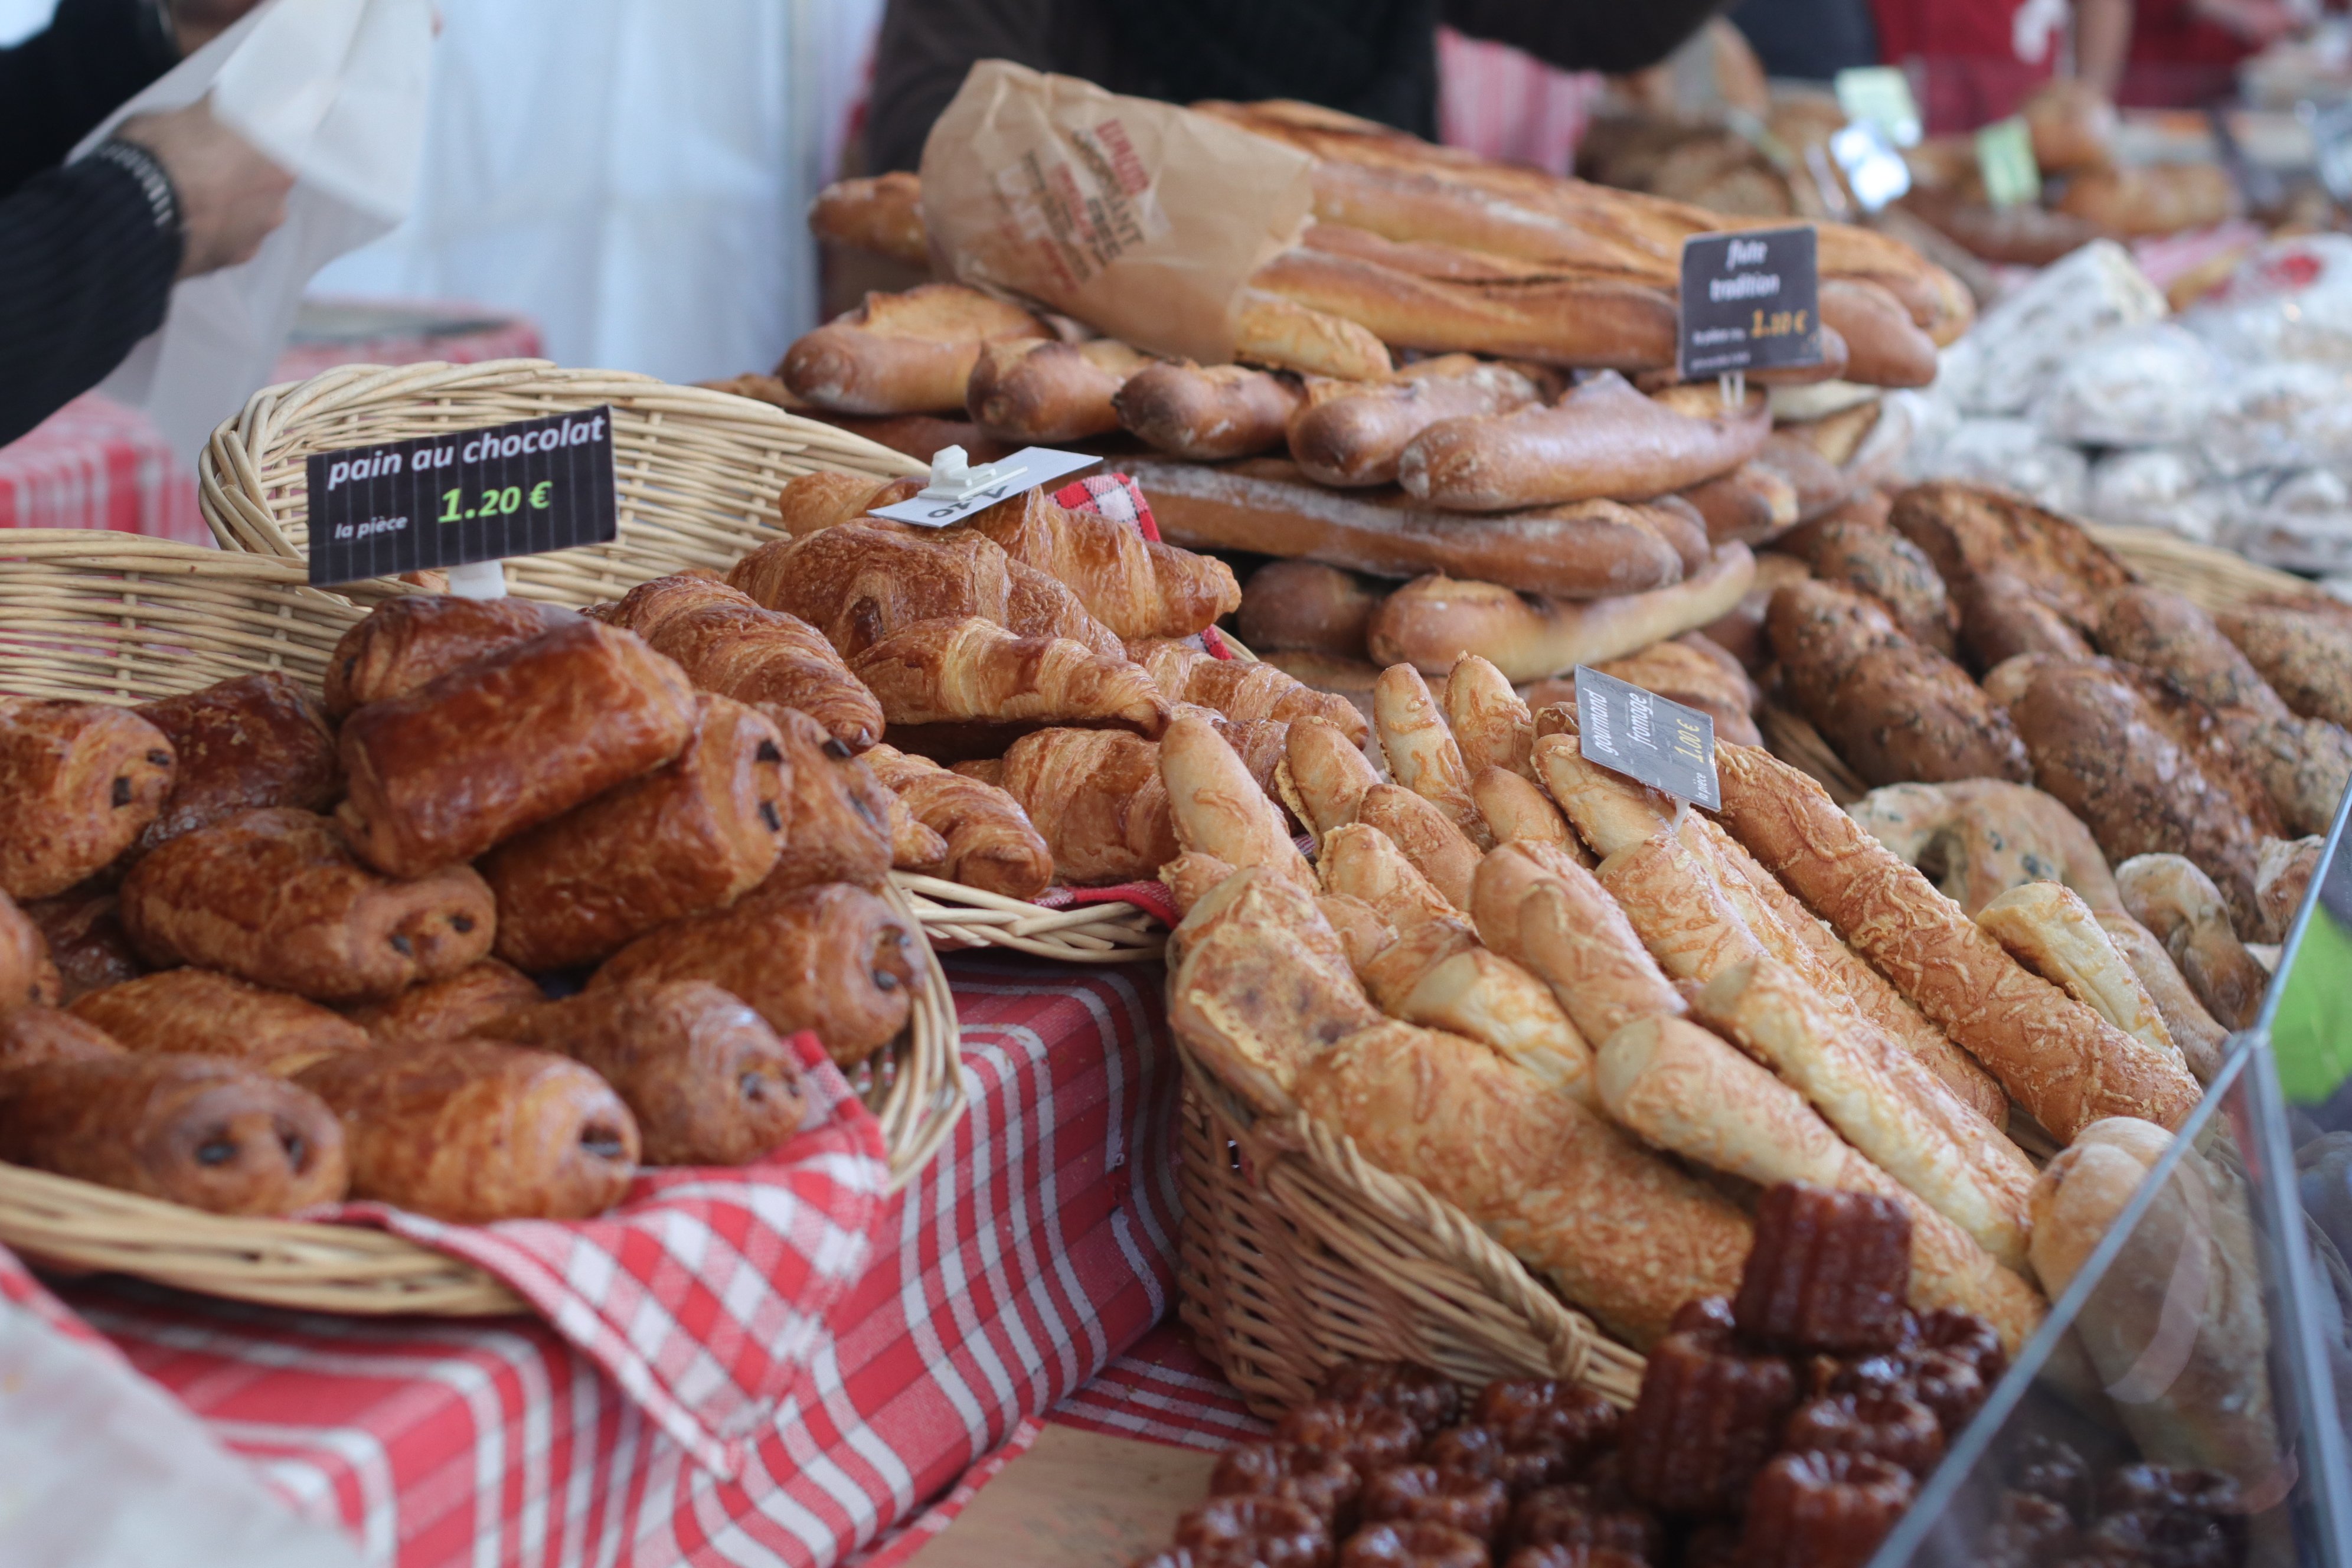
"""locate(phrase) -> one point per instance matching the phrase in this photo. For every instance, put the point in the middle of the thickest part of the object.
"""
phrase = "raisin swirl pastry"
(1326, 1483)
(1428, 1396)
(1406, 1544)
(1821, 1511)
(1367, 1436)
(1274, 1533)
(1424, 1492)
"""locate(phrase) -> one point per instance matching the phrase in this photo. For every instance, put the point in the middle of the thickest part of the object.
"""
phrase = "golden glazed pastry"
(988, 840)
(1097, 797)
(706, 1079)
(694, 835)
(81, 784)
(259, 740)
(838, 819)
(725, 643)
(449, 1008)
(215, 1135)
(196, 1012)
(275, 897)
(473, 1133)
(506, 744)
(410, 641)
(27, 974)
(32, 1035)
(833, 959)
(975, 672)
(1139, 588)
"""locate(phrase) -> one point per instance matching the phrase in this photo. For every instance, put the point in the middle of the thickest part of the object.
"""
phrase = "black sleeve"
(921, 56)
(87, 260)
(57, 85)
(1611, 36)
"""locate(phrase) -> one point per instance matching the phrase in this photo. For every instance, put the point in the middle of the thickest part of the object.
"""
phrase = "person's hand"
(230, 195)
(197, 23)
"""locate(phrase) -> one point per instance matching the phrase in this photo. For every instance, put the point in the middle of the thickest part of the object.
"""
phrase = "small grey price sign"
(1648, 739)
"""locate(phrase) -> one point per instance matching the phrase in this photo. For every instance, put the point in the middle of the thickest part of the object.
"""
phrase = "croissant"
(196, 1012)
(1097, 797)
(693, 835)
(990, 843)
(259, 740)
(407, 642)
(861, 581)
(962, 671)
(1137, 588)
(837, 816)
(915, 844)
(1240, 689)
(728, 644)
(826, 496)
(80, 783)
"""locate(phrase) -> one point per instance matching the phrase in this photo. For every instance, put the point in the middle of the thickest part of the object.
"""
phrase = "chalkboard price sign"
(1750, 300)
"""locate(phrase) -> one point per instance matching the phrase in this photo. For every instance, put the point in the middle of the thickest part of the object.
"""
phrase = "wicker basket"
(104, 618)
(954, 916)
(698, 471)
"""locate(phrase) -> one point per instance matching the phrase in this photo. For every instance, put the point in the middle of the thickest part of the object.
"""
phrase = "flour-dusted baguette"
(902, 353)
(1432, 621)
(2063, 1062)
(1578, 550)
(1207, 413)
(1750, 504)
(1271, 330)
(1603, 440)
(1358, 436)
(883, 214)
(1039, 391)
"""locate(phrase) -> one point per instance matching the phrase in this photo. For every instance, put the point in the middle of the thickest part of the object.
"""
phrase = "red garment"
(1962, 58)
(2178, 59)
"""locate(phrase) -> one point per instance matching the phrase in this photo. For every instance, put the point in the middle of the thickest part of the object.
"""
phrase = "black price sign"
(523, 489)
(1751, 301)
(1642, 735)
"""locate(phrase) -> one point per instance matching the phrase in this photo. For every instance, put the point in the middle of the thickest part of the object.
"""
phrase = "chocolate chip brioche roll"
(473, 1132)
(707, 1080)
(80, 783)
(408, 642)
(259, 740)
(833, 959)
(507, 742)
(199, 1013)
(275, 897)
(30, 1035)
(692, 835)
(27, 974)
(450, 1008)
(216, 1135)
(86, 941)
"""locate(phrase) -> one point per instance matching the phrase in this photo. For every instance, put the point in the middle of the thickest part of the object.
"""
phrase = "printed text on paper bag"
(445, 500)
(1750, 300)
(1642, 735)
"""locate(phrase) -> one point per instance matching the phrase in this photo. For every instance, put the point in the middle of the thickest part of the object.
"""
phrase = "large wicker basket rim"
(956, 916)
(2211, 577)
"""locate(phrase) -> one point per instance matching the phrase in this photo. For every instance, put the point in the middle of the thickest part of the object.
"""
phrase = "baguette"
(1547, 914)
(2051, 931)
(1750, 504)
(1206, 413)
(902, 353)
(1420, 750)
(1680, 1089)
(1884, 347)
(1304, 604)
(1580, 551)
(1602, 441)
(1431, 621)
(1270, 329)
(883, 214)
(1358, 436)
(2066, 1065)
(1040, 391)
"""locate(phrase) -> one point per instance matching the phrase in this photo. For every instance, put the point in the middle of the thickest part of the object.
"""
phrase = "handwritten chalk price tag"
(1750, 300)
(959, 488)
(463, 496)
(2005, 158)
(1642, 735)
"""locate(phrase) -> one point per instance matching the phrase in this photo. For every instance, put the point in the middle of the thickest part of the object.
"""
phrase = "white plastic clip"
(954, 479)
(478, 580)
(1732, 385)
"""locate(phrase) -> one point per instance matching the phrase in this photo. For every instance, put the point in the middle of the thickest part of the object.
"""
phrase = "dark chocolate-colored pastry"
(706, 1078)
(274, 896)
(1829, 1270)
(1821, 1511)
(1369, 1436)
(1708, 1416)
(218, 1135)
(259, 740)
(27, 974)
(87, 942)
(410, 641)
(1425, 1394)
(692, 835)
(837, 828)
(449, 1008)
(833, 959)
(30, 1035)
(199, 1013)
(506, 744)
(472, 1131)
(1326, 1483)
(80, 783)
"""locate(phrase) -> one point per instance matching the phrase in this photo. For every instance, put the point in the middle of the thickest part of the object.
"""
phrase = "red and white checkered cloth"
(1037, 1248)
(1503, 103)
(96, 464)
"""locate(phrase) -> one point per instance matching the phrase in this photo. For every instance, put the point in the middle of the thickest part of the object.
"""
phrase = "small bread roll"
(2193, 1029)
(1491, 722)
(81, 784)
(707, 1080)
(196, 1012)
(472, 1132)
(833, 959)
(2180, 905)
(407, 642)
(1360, 862)
(1422, 755)
(215, 1135)
(506, 744)
(694, 835)
(1218, 808)
(2049, 929)
(1513, 808)
(259, 740)
(1324, 775)
(33, 1035)
(450, 1008)
(274, 896)
(1438, 849)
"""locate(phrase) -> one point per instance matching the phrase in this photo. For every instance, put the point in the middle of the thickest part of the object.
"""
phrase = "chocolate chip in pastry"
(838, 826)
(259, 740)
(26, 973)
(81, 781)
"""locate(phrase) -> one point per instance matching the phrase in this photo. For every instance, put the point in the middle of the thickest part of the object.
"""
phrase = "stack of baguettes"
(1408, 405)
(1597, 1022)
